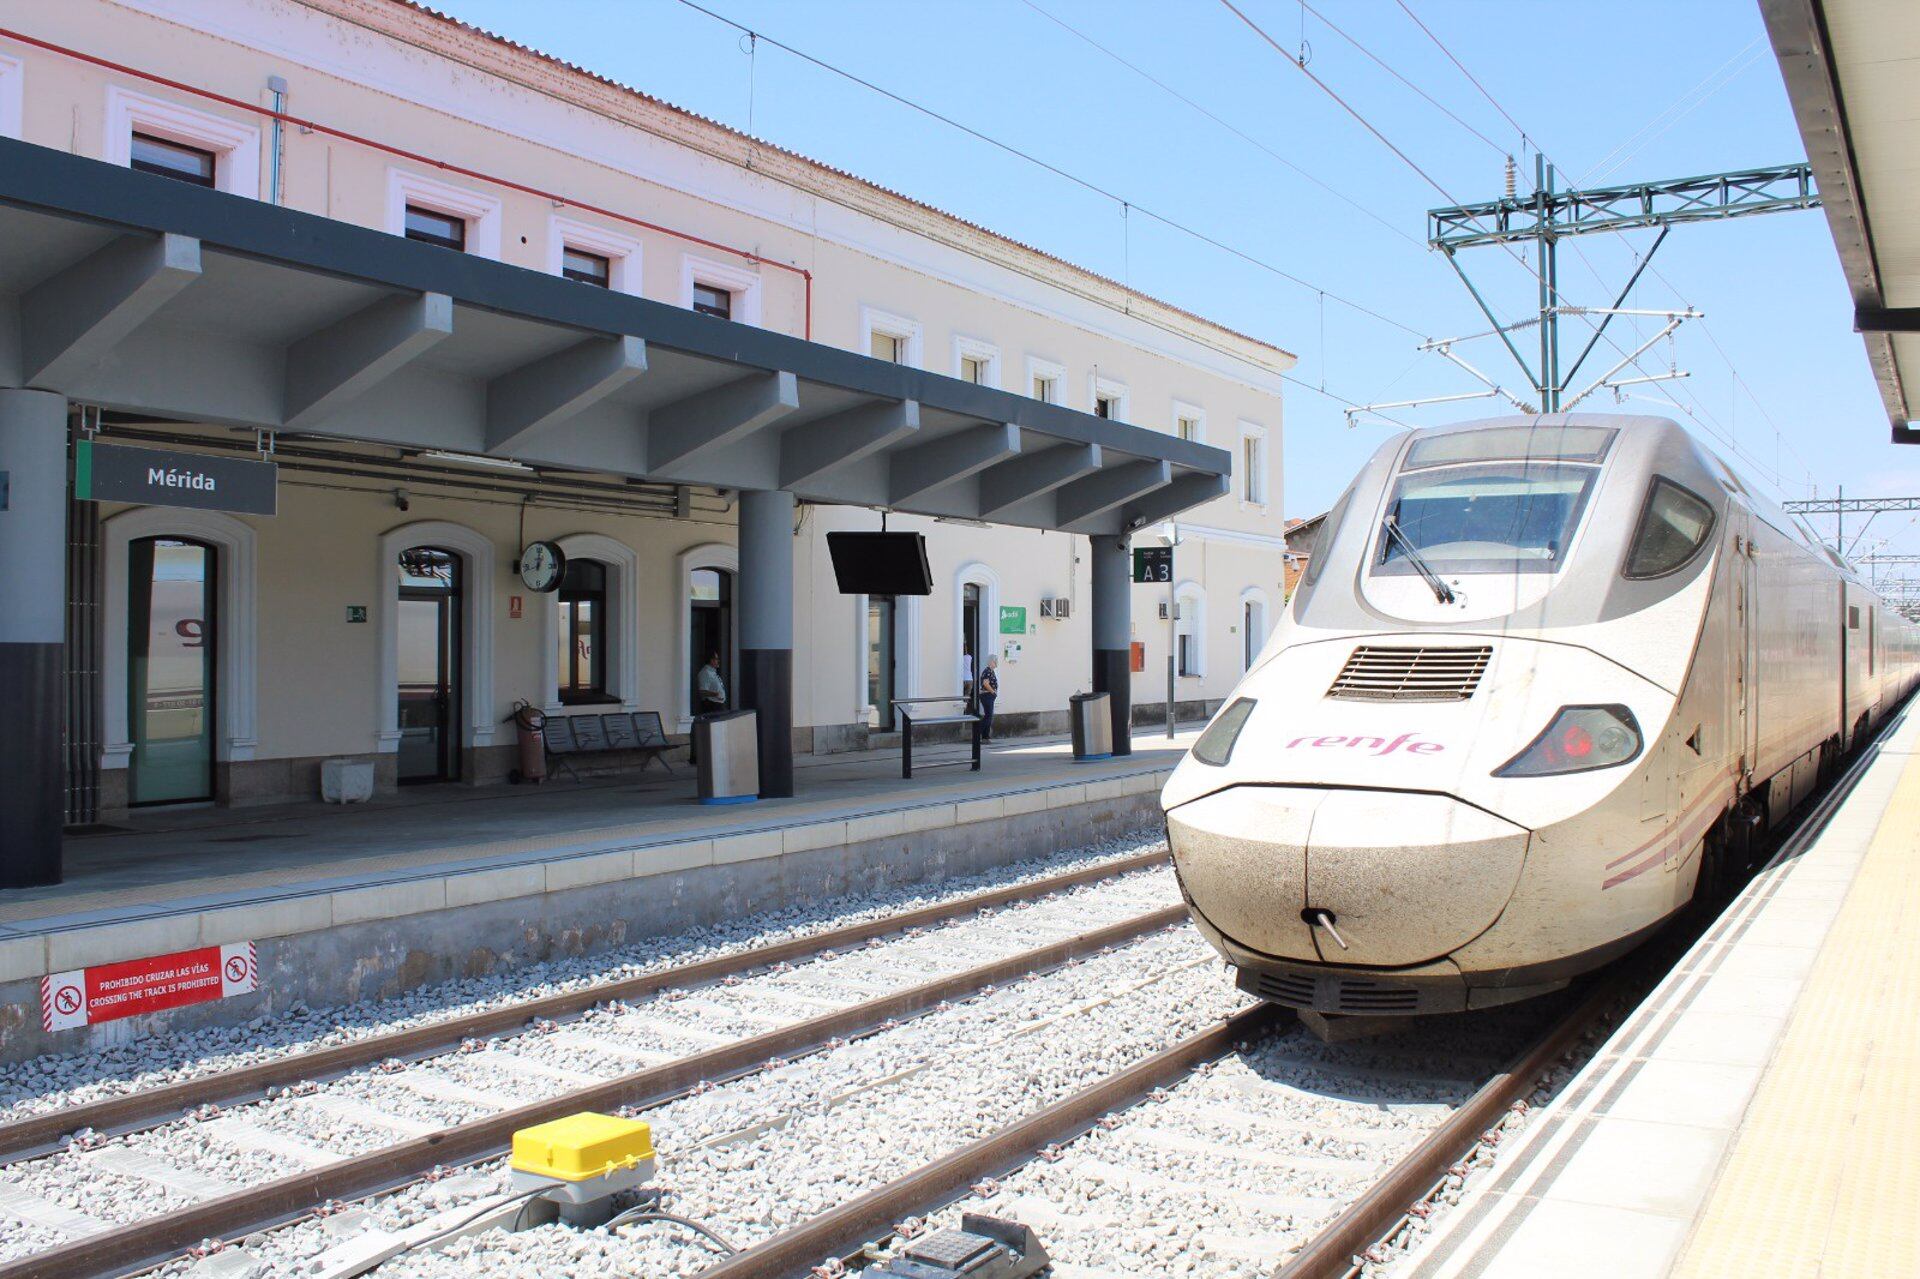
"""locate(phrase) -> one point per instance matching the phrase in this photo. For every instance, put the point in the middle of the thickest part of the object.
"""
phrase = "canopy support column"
(33, 569)
(766, 631)
(1112, 615)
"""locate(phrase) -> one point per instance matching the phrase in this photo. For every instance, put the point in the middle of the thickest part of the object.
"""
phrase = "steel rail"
(155, 1240)
(844, 1230)
(41, 1134)
(1380, 1208)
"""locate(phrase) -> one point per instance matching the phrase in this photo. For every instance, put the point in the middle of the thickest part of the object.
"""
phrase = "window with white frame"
(162, 137)
(890, 337)
(435, 212)
(1108, 398)
(593, 255)
(12, 96)
(724, 290)
(1253, 464)
(1045, 379)
(1190, 630)
(1189, 422)
(1253, 625)
(976, 361)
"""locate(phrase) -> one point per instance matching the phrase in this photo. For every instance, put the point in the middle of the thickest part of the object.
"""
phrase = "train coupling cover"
(982, 1248)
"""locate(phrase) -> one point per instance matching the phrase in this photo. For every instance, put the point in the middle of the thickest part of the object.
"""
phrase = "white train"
(1544, 682)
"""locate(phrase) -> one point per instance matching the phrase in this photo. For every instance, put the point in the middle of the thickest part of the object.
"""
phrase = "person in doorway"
(989, 694)
(709, 698)
(709, 688)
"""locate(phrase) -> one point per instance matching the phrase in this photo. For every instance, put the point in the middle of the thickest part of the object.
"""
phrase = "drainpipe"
(277, 85)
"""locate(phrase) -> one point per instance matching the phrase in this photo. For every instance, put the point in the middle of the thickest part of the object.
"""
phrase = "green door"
(170, 670)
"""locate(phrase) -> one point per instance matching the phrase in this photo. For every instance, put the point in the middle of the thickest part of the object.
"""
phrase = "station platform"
(366, 900)
(1759, 1112)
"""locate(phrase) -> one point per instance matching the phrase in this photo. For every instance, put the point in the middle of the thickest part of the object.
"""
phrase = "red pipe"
(414, 156)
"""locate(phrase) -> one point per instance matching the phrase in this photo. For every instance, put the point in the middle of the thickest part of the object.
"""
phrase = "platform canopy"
(142, 294)
(1851, 69)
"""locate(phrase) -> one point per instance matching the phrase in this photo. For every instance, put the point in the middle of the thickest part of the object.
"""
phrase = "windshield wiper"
(1441, 591)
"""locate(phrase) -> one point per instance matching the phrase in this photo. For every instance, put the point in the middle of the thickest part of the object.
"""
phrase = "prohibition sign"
(67, 1000)
(236, 969)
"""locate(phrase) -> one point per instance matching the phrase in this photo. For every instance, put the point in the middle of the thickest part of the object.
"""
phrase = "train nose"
(1403, 879)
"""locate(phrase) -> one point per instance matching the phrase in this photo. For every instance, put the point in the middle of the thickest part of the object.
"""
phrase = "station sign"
(1013, 619)
(169, 477)
(1153, 563)
(108, 992)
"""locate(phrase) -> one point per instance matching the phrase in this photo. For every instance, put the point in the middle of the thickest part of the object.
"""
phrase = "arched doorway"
(428, 666)
(710, 631)
(171, 669)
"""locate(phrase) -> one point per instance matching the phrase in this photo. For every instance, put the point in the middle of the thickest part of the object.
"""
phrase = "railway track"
(1242, 1144)
(284, 1144)
(39, 1134)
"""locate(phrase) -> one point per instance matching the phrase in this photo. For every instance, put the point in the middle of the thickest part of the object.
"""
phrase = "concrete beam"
(539, 396)
(679, 432)
(819, 448)
(1089, 499)
(329, 369)
(918, 471)
(69, 323)
(1032, 474)
(1183, 494)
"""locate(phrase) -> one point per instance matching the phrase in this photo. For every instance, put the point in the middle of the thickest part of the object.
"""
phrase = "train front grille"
(1376, 673)
(1330, 994)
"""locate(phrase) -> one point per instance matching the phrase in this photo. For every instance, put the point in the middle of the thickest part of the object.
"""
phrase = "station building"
(468, 298)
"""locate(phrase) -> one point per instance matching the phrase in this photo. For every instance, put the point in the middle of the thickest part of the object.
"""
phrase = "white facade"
(542, 162)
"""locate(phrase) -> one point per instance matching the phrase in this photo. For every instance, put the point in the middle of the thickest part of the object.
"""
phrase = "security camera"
(400, 500)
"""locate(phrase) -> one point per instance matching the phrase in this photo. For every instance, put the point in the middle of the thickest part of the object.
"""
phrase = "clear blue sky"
(1584, 79)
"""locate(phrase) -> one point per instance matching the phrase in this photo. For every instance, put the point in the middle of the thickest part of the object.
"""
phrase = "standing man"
(989, 694)
(709, 689)
(709, 698)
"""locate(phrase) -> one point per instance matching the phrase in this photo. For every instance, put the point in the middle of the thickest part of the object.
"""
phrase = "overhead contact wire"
(1084, 184)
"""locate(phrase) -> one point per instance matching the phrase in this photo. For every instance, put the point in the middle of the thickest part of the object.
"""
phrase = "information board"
(1153, 563)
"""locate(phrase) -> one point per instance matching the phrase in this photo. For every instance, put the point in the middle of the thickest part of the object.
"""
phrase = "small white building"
(378, 612)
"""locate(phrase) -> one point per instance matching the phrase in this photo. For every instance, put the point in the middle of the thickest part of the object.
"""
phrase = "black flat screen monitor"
(880, 563)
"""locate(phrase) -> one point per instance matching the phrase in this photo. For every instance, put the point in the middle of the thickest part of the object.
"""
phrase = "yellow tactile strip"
(1824, 1176)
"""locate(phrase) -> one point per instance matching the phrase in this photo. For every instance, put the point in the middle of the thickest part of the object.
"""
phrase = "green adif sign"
(1013, 621)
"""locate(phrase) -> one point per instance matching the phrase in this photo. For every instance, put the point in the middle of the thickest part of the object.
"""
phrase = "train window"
(1674, 525)
(1323, 542)
(1488, 518)
(1511, 444)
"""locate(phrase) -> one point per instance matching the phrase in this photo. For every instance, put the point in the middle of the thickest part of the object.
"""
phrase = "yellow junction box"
(581, 1147)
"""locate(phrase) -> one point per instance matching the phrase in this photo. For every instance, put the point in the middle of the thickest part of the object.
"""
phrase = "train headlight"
(1580, 739)
(1216, 744)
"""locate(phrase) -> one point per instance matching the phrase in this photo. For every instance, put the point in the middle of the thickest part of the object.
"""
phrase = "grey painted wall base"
(382, 958)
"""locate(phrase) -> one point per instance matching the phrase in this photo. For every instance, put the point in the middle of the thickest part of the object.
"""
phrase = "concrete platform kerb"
(334, 933)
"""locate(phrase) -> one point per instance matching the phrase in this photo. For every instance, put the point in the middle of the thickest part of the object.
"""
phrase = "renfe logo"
(1373, 745)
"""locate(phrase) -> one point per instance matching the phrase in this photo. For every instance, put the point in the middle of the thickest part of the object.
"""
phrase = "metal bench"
(642, 731)
(908, 719)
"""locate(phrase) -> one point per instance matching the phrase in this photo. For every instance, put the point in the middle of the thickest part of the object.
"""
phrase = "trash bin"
(728, 744)
(530, 728)
(1092, 722)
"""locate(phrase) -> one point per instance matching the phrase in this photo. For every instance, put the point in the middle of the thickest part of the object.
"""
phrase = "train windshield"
(1483, 517)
